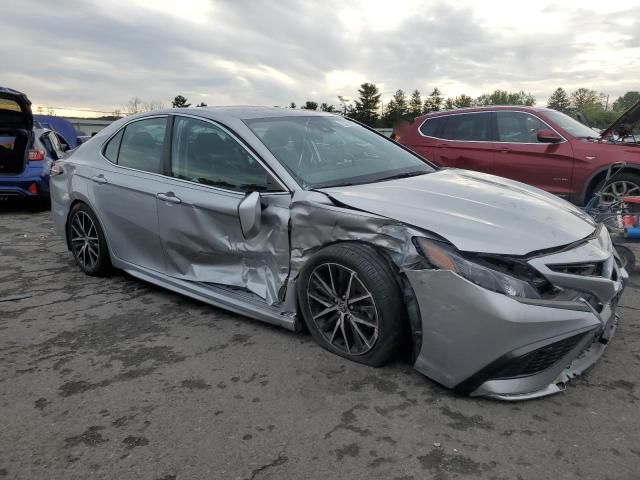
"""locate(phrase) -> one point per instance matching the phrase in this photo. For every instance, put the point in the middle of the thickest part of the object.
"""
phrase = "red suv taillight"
(36, 155)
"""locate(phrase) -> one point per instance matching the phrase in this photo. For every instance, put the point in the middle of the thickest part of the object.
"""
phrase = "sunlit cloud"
(97, 55)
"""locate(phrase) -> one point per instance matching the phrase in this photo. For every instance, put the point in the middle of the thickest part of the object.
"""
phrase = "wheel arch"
(413, 319)
(84, 201)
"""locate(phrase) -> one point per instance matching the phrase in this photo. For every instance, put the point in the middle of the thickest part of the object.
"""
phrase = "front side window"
(141, 145)
(468, 126)
(519, 127)
(323, 151)
(203, 153)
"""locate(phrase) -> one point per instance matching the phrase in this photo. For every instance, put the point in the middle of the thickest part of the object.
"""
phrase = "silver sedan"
(302, 218)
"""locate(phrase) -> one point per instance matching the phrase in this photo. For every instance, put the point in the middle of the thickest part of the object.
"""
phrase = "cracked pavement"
(115, 378)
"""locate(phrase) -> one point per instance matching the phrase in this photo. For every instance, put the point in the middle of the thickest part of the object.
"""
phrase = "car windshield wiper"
(401, 175)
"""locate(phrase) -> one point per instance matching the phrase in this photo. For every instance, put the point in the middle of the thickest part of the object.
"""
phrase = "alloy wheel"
(614, 192)
(342, 308)
(84, 240)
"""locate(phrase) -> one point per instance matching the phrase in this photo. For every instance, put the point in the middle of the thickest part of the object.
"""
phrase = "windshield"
(331, 151)
(572, 126)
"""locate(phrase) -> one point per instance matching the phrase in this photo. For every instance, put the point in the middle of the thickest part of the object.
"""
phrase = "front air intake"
(538, 360)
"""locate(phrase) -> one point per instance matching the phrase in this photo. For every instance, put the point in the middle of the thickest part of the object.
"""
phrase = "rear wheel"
(351, 303)
(87, 240)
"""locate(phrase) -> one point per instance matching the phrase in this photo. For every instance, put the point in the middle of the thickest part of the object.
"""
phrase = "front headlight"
(445, 257)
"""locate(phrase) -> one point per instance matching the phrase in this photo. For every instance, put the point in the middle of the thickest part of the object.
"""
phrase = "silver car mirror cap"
(250, 213)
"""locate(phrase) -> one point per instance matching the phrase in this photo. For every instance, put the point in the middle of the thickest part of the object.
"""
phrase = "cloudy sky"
(94, 55)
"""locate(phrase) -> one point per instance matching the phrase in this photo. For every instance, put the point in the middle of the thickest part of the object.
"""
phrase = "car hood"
(625, 122)
(474, 211)
(15, 110)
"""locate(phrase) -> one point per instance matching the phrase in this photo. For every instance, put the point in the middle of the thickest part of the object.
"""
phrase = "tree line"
(369, 108)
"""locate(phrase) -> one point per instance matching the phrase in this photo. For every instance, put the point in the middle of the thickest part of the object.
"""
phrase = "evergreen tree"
(325, 107)
(292, 105)
(308, 105)
(449, 104)
(415, 104)
(433, 103)
(559, 100)
(367, 105)
(396, 108)
(180, 102)
(462, 101)
(503, 97)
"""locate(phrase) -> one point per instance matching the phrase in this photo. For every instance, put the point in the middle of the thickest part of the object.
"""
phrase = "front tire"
(351, 303)
(87, 241)
(625, 184)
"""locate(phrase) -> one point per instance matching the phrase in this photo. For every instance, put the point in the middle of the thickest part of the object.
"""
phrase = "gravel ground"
(115, 378)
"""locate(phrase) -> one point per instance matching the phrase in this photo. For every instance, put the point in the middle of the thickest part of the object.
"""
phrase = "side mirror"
(250, 213)
(548, 136)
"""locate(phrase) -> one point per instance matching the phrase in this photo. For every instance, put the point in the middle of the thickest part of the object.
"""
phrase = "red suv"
(538, 146)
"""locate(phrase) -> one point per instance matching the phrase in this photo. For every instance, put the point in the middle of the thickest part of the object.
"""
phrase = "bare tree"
(152, 105)
(134, 105)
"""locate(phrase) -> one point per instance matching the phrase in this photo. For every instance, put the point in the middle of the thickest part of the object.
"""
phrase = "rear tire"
(87, 241)
(351, 303)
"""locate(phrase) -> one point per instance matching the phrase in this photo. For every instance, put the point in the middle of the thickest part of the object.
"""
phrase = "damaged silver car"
(296, 217)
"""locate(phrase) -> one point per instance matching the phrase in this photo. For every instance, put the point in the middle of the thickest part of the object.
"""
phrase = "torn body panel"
(316, 222)
(203, 241)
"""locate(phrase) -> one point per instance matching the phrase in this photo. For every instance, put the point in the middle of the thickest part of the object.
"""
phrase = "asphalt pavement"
(117, 379)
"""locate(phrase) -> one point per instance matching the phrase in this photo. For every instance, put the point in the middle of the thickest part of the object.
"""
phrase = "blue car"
(26, 153)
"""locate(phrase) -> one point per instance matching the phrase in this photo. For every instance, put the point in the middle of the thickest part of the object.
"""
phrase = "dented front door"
(199, 224)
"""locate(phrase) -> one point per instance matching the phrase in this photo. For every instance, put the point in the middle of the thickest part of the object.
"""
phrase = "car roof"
(240, 112)
(488, 108)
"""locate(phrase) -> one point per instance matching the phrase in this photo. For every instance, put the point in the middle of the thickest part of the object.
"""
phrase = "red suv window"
(519, 127)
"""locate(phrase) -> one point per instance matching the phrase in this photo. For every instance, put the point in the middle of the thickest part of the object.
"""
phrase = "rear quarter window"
(431, 127)
(113, 146)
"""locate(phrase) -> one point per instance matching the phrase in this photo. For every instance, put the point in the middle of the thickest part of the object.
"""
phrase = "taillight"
(36, 155)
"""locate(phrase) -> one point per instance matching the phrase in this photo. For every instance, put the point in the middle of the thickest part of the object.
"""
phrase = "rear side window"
(112, 148)
(519, 127)
(431, 127)
(140, 145)
(468, 126)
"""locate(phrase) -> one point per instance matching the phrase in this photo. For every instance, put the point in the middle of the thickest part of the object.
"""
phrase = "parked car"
(498, 288)
(63, 128)
(538, 146)
(26, 153)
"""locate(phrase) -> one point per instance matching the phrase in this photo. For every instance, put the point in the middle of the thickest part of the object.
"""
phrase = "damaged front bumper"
(483, 343)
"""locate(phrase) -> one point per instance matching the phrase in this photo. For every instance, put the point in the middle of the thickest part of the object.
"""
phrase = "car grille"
(540, 359)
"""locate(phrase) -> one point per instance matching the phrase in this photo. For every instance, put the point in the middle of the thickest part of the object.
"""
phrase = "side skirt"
(234, 300)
